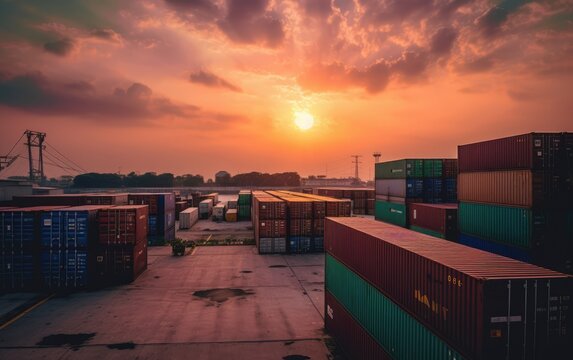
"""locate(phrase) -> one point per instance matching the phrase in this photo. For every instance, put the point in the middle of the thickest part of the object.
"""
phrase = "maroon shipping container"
(332, 208)
(269, 208)
(441, 218)
(356, 343)
(450, 168)
(318, 227)
(318, 209)
(359, 203)
(300, 227)
(123, 225)
(272, 228)
(344, 208)
(105, 199)
(486, 306)
(120, 264)
(299, 208)
(533, 151)
(159, 203)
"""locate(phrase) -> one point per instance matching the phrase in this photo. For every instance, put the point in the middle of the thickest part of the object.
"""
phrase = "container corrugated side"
(399, 334)
(399, 169)
(393, 213)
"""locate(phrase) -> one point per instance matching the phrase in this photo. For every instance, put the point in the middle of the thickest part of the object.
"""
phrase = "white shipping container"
(219, 210)
(188, 218)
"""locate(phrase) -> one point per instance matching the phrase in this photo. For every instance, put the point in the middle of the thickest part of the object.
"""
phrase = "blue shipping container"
(494, 247)
(17, 269)
(299, 244)
(450, 190)
(433, 191)
(17, 229)
(64, 268)
(317, 244)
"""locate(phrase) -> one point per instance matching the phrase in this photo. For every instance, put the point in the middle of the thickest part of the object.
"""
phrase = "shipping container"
(219, 212)
(521, 188)
(120, 264)
(400, 334)
(450, 190)
(533, 151)
(427, 231)
(205, 208)
(299, 244)
(300, 227)
(398, 200)
(244, 212)
(49, 200)
(450, 168)
(433, 191)
(65, 268)
(399, 169)
(123, 225)
(270, 207)
(355, 341)
(486, 306)
(188, 218)
(232, 204)
(390, 212)
(439, 218)
(231, 215)
(411, 188)
(105, 199)
(433, 168)
(513, 252)
(272, 228)
(180, 206)
(159, 203)
(272, 245)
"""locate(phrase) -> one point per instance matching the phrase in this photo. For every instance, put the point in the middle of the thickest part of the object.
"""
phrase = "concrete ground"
(209, 230)
(224, 302)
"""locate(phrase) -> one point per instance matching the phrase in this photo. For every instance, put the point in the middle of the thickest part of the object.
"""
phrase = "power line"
(65, 157)
(58, 160)
(15, 144)
(62, 165)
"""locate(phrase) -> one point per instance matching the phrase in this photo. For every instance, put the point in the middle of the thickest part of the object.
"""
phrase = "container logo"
(505, 319)
(396, 211)
(537, 143)
(47, 222)
(431, 304)
(393, 171)
(330, 312)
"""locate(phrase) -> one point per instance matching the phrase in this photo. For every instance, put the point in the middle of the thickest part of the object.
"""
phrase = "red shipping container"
(300, 227)
(299, 208)
(344, 208)
(318, 227)
(483, 304)
(356, 343)
(105, 199)
(450, 168)
(123, 225)
(120, 264)
(272, 228)
(441, 218)
(533, 151)
(269, 207)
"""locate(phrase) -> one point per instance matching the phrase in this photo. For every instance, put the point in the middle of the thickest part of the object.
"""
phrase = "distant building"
(222, 178)
(10, 188)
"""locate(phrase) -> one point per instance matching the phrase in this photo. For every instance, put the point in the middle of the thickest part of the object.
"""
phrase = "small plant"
(178, 247)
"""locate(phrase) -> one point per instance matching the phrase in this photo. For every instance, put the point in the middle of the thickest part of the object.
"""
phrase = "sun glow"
(303, 120)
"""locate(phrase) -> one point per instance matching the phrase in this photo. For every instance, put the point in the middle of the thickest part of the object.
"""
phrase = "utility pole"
(376, 157)
(356, 162)
(35, 139)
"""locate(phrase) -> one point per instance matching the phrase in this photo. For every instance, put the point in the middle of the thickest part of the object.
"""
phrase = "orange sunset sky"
(197, 86)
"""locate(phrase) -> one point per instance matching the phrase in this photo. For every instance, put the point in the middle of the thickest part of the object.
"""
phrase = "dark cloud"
(106, 34)
(318, 8)
(212, 80)
(390, 11)
(337, 77)
(411, 65)
(197, 7)
(520, 95)
(449, 8)
(442, 41)
(35, 93)
(478, 65)
(60, 47)
(250, 22)
(491, 20)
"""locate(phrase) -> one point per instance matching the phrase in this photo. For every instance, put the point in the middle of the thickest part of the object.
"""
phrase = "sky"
(198, 86)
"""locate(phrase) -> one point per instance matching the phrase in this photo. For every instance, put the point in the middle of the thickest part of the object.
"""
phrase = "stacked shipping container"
(394, 293)
(269, 223)
(516, 197)
(205, 208)
(122, 254)
(188, 218)
(362, 198)
(401, 183)
(161, 219)
(244, 204)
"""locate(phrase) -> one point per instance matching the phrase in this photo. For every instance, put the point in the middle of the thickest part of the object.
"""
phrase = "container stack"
(299, 221)
(70, 200)
(180, 206)
(394, 293)
(219, 212)
(516, 198)
(205, 209)
(212, 196)
(69, 238)
(270, 223)
(161, 224)
(244, 204)
(231, 215)
(439, 220)
(404, 182)
(122, 254)
(19, 248)
(363, 199)
(188, 218)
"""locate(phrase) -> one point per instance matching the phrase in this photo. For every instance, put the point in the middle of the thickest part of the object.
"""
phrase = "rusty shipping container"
(486, 306)
(521, 188)
(269, 207)
(356, 342)
(300, 227)
(533, 151)
(123, 225)
(120, 264)
(441, 218)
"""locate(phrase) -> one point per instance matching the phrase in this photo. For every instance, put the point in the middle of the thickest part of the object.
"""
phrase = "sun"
(303, 120)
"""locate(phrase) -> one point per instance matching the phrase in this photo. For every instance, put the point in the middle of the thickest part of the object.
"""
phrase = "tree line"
(151, 179)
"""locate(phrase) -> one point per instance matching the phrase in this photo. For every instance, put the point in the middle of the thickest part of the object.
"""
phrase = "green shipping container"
(433, 168)
(401, 336)
(399, 169)
(390, 212)
(427, 231)
(245, 197)
(243, 212)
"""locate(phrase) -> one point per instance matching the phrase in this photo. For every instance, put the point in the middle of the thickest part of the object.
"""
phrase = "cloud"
(411, 64)
(520, 95)
(61, 47)
(34, 92)
(106, 34)
(443, 40)
(478, 65)
(492, 19)
(204, 8)
(318, 8)
(211, 80)
(249, 22)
